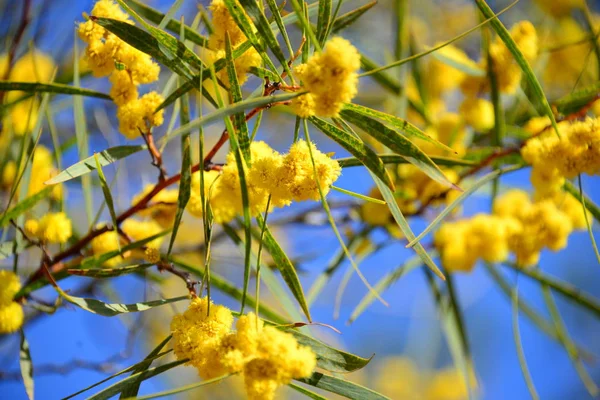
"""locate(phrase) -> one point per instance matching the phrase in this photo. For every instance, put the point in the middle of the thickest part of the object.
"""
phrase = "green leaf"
(308, 393)
(220, 283)
(358, 195)
(264, 31)
(400, 124)
(342, 387)
(323, 18)
(169, 51)
(356, 147)
(394, 159)
(7, 249)
(468, 67)
(105, 157)
(181, 389)
(110, 310)
(239, 118)
(504, 34)
(343, 21)
(134, 379)
(170, 14)
(221, 113)
(26, 365)
(132, 389)
(565, 289)
(173, 25)
(458, 201)
(107, 195)
(185, 183)
(305, 24)
(329, 358)
(385, 283)
(108, 272)
(24, 206)
(579, 100)
(397, 143)
(81, 133)
(34, 87)
(285, 267)
(276, 15)
(126, 370)
(519, 344)
(589, 204)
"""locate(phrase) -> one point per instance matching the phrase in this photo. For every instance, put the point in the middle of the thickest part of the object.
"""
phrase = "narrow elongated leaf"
(132, 390)
(578, 100)
(264, 29)
(394, 159)
(106, 192)
(589, 204)
(277, 19)
(468, 67)
(328, 358)
(134, 379)
(35, 87)
(110, 310)
(323, 19)
(308, 393)
(356, 147)
(172, 53)
(124, 371)
(398, 144)
(26, 366)
(170, 14)
(97, 273)
(191, 386)
(400, 124)
(173, 25)
(565, 289)
(504, 34)
(342, 387)
(285, 267)
(385, 283)
(239, 119)
(458, 201)
(220, 283)
(343, 21)
(24, 205)
(105, 157)
(232, 109)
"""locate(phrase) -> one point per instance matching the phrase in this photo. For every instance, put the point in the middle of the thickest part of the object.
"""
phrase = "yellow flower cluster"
(517, 226)
(559, 8)
(267, 357)
(34, 66)
(11, 313)
(554, 159)
(224, 24)
(507, 71)
(135, 230)
(330, 77)
(51, 228)
(42, 169)
(478, 113)
(128, 67)
(463, 242)
(285, 178)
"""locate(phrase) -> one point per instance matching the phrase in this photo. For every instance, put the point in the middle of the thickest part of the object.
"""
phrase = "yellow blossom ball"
(104, 243)
(559, 8)
(479, 113)
(194, 205)
(152, 255)
(331, 77)
(373, 213)
(139, 230)
(55, 228)
(162, 208)
(442, 76)
(11, 318)
(447, 384)
(9, 286)
(123, 88)
(304, 106)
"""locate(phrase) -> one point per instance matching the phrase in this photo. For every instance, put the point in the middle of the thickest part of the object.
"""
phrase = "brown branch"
(155, 154)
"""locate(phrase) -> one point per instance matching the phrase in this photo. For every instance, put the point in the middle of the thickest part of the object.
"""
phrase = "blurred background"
(72, 349)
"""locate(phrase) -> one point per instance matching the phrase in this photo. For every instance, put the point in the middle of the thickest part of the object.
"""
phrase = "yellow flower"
(373, 213)
(152, 255)
(559, 8)
(197, 334)
(9, 286)
(11, 318)
(479, 113)
(443, 77)
(104, 243)
(162, 208)
(139, 230)
(123, 89)
(194, 205)
(55, 228)
(137, 115)
(304, 106)
(330, 77)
